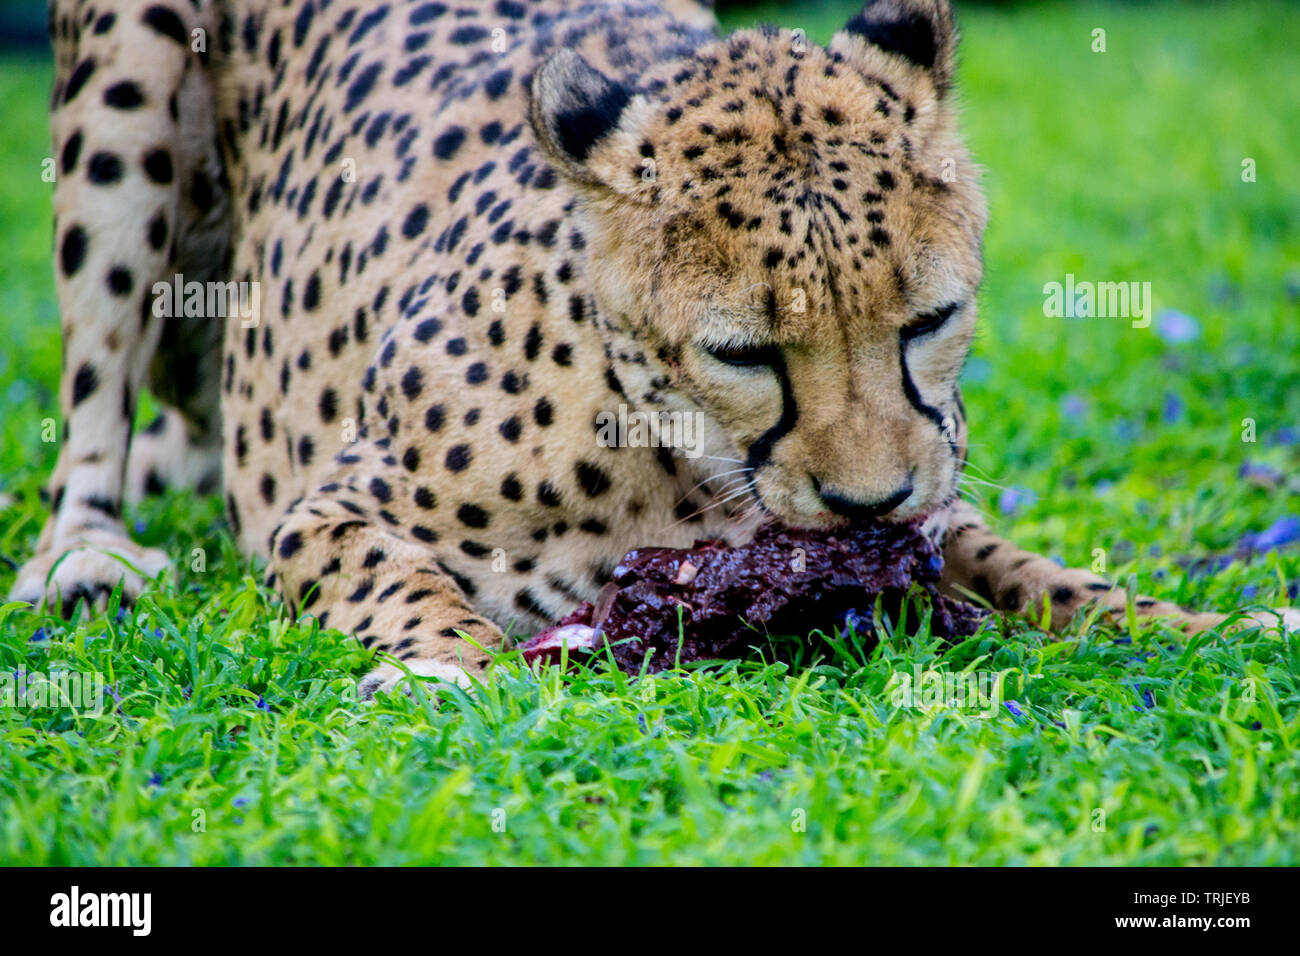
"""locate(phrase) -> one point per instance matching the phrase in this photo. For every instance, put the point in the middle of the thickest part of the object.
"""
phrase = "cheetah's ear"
(917, 35)
(574, 109)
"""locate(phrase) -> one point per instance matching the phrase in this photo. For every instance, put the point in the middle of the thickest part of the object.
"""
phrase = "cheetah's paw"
(89, 568)
(1289, 617)
(387, 677)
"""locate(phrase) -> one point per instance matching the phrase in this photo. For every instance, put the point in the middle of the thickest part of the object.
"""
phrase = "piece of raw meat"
(785, 581)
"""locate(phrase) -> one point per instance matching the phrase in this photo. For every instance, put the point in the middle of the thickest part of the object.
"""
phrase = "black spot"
(533, 342)
(328, 405)
(72, 253)
(448, 141)
(157, 232)
(125, 95)
(426, 12)
(84, 383)
(104, 169)
(158, 166)
(381, 490)
(412, 382)
(548, 495)
(290, 544)
(459, 457)
(470, 33)
(592, 479)
(427, 329)
(165, 21)
(472, 516)
(543, 412)
(1012, 599)
(511, 428)
(362, 86)
(497, 83)
(311, 292)
(416, 220)
(1062, 594)
(119, 281)
(71, 150)
(78, 79)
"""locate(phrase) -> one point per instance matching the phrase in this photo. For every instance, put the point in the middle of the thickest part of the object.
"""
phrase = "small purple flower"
(38, 635)
(1286, 436)
(1280, 533)
(1177, 327)
(1249, 592)
(140, 527)
(262, 704)
(1258, 473)
(1124, 430)
(1012, 706)
(1013, 499)
(1149, 699)
(239, 802)
(1173, 409)
(1074, 407)
(155, 779)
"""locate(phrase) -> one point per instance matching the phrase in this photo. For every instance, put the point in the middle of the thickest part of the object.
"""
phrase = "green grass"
(234, 735)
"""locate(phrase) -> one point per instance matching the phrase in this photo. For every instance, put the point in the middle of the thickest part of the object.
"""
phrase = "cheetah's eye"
(743, 356)
(929, 322)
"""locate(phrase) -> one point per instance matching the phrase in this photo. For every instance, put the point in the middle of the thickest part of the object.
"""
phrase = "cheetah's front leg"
(343, 556)
(122, 157)
(1018, 581)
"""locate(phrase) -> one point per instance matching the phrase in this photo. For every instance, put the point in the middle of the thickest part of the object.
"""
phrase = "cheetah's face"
(795, 234)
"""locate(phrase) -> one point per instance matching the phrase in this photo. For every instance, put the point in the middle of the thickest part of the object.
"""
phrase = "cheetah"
(475, 228)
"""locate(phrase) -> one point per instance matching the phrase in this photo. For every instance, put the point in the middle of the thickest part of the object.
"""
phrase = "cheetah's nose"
(855, 509)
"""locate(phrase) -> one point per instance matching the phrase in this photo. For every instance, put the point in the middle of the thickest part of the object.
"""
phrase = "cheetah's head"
(791, 235)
